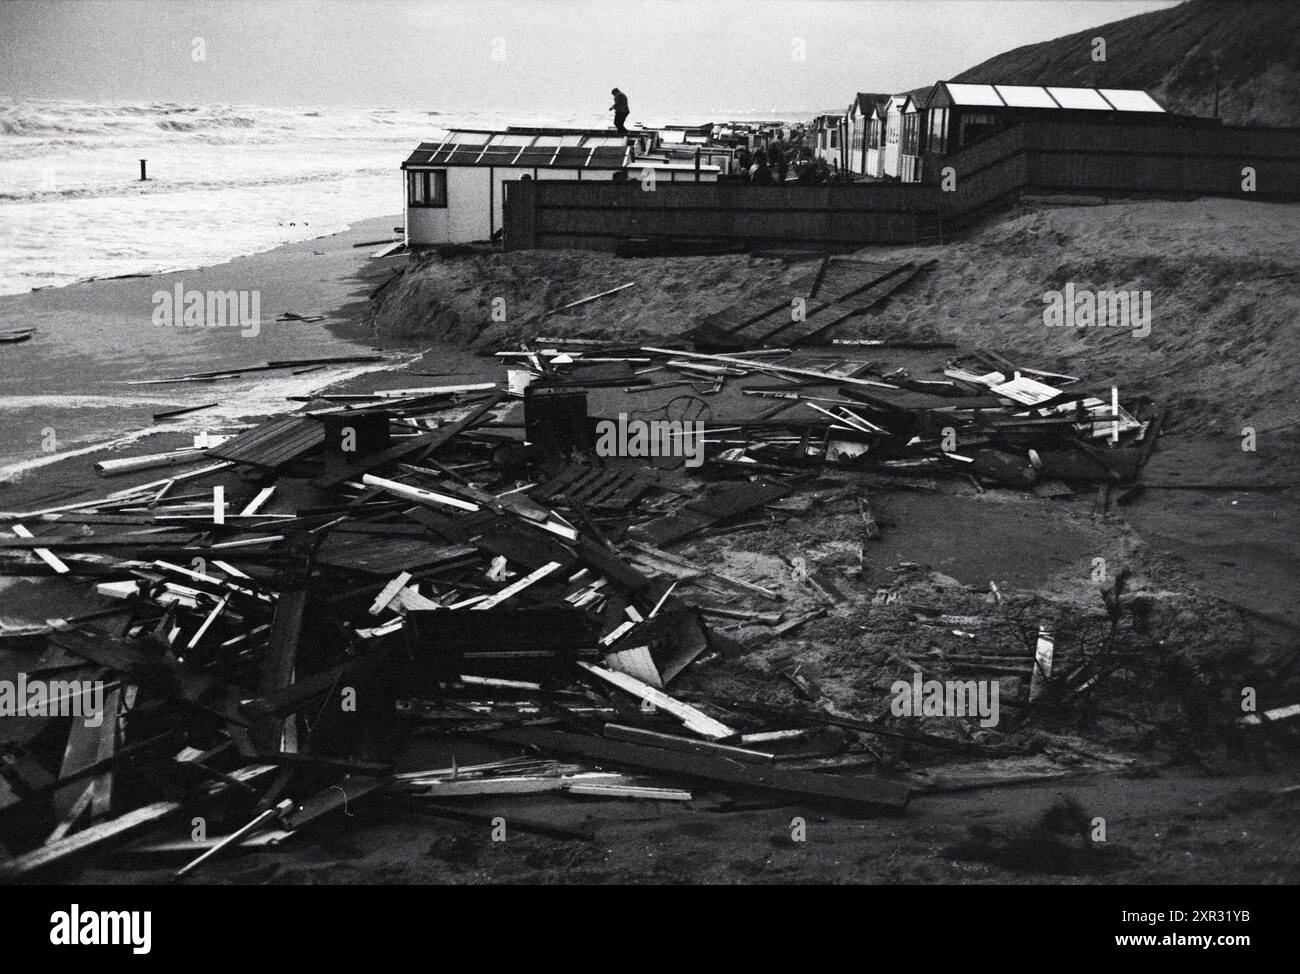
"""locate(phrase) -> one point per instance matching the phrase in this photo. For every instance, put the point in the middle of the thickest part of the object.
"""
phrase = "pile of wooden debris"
(323, 589)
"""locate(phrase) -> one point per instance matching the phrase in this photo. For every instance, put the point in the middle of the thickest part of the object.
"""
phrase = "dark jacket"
(620, 102)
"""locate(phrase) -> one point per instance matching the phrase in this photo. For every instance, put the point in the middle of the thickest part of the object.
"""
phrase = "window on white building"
(427, 188)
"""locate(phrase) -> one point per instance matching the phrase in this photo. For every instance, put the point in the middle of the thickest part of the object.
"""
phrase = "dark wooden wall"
(554, 213)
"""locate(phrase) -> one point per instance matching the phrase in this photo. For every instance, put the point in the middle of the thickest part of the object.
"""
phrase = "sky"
(670, 56)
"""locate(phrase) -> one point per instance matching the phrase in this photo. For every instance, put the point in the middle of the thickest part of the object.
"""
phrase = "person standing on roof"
(619, 108)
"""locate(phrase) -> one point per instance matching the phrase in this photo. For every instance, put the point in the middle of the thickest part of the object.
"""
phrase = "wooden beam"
(693, 719)
(866, 793)
(104, 832)
(675, 742)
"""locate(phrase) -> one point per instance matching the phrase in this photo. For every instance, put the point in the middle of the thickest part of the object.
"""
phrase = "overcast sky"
(670, 56)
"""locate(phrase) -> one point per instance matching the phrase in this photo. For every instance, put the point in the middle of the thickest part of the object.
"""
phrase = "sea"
(224, 180)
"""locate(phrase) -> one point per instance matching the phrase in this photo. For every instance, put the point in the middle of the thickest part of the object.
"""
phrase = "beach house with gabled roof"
(875, 165)
(955, 114)
(892, 133)
(961, 113)
(455, 186)
(911, 142)
(892, 129)
(857, 125)
(828, 131)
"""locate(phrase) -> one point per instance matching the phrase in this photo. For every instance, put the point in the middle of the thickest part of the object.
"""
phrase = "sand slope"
(1223, 342)
(451, 299)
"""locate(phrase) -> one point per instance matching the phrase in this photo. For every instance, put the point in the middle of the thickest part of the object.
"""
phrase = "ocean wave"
(157, 187)
(171, 125)
(46, 119)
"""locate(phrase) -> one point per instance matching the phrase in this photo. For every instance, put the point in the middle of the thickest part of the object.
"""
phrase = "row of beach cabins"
(890, 136)
(456, 186)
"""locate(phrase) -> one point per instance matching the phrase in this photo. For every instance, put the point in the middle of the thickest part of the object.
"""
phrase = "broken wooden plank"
(868, 794)
(601, 789)
(675, 742)
(418, 494)
(44, 554)
(688, 566)
(693, 719)
(588, 300)
(1269, 716)
(114, 468)
(388, 593)
(278, 664)
(101, 833)
(516, 587)
(1042, 674)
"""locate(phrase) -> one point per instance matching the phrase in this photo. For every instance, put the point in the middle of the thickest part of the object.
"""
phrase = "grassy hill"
(1173, 54)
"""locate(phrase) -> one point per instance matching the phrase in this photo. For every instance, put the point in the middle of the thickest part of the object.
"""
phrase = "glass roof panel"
(1025, 96)
(1129, 100)
(974, 94)
(1079, 98)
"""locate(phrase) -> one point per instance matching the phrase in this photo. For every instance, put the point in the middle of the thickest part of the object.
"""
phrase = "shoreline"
(94, 337)
(347, 228)
(75, 383)
(111, 419)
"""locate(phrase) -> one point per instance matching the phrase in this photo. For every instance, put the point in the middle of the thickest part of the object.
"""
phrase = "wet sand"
(91, 338)
(70, 378)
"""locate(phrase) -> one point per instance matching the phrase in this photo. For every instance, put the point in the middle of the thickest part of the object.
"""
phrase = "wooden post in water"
(143, 177)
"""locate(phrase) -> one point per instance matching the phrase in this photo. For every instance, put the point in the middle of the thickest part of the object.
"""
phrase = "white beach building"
(828, 132)
(893, 135)
(858, 125)
(454, 186)
(875, 160)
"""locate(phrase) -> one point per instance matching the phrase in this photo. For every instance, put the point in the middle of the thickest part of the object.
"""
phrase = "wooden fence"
(1072, 157)
(596, 216)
